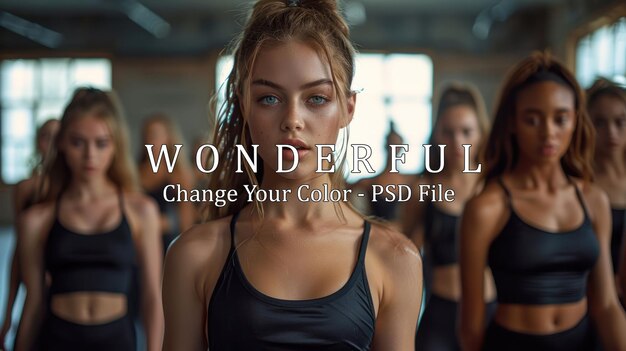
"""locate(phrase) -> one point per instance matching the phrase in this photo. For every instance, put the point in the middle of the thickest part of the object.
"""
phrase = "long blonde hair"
(104, 106)
(319, 24)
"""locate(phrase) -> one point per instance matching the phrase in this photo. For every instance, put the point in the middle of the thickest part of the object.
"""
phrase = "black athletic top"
(90, 262)
(618, 216)
(242, 318)
(534, 266)
(167, 209)
(440, 234)
(385, 210)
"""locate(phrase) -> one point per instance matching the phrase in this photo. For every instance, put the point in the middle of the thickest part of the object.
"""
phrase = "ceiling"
(194, 27)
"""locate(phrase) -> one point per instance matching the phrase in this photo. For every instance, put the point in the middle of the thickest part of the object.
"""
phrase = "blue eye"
(269, 100)
(318, 100)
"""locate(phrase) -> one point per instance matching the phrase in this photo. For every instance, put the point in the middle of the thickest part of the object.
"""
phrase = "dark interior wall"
(176, 75)
(178, 87)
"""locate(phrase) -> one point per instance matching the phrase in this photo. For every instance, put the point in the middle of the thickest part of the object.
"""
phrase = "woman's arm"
(187, 214)
(192, 267)
(400, 300)
(32, 233)
(149, 252)
(604, 306)
(13, 286)
(23, 190)
(480, 223)
(622, 269)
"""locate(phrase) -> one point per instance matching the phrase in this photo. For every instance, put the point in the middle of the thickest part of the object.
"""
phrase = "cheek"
(473, 139)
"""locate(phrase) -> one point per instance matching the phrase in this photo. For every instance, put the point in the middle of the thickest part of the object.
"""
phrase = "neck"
(297, 209)
(611, 163)
(547, 175)
(90, 188)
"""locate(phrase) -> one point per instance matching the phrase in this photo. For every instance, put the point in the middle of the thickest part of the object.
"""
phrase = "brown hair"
(604, 87)
(319, 24)
(103, 105)
(500, 153)
(174, 137)
(453, 95)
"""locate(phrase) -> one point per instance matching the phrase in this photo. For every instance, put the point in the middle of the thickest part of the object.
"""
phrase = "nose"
(90, 150)
(613, 131)
(292, 120)
(549, 129)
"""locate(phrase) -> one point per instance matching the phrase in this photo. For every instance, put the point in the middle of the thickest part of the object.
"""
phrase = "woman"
(27, 192)
(87, 233)
(160, 130)
(461, 120)
(540, 224)
(289, 275)
(385, 210)
(606, 104)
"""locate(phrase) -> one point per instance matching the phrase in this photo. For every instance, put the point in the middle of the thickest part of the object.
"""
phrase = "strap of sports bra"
(506, 190)
(579, 195)
(233, 220)
(364, 241)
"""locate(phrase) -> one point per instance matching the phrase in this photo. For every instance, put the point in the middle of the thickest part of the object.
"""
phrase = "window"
(602, 53)
(395, 87)
(32, 91)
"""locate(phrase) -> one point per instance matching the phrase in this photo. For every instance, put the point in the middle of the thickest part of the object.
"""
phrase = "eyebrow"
(81, 136)
(540, 112)
(265, 82)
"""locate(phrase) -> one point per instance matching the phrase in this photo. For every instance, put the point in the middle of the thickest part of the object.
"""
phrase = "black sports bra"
(242, 318)
(534, 266)
(618, 216)
(90, 262)
(440, 233)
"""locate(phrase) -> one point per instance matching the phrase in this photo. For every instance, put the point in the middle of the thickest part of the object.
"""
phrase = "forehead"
(89, 126)
(545, 95)
(459, 114)
(290, 64)
(608, 102)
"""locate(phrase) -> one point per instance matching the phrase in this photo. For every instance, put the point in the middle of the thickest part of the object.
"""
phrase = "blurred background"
(165, 56)
(168, 57)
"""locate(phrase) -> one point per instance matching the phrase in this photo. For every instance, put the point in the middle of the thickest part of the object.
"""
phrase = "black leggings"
(578, 338)
(58, 334)
(437, 328)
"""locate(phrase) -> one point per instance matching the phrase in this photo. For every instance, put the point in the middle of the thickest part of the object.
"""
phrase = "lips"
(300, 146)
(549, 149)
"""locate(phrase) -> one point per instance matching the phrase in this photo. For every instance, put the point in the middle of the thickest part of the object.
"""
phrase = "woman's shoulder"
(391, 247)
(141, 204)
(202, 245)
(491, 199)
(37, 218)
(595, 198)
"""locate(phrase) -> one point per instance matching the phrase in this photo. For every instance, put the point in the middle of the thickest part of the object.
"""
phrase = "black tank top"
(440, 234)
(100, 262)
(533, 266)
(618, 216)
(242, 318)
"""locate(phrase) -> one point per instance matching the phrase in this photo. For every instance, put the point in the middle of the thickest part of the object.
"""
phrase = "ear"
(351, 105)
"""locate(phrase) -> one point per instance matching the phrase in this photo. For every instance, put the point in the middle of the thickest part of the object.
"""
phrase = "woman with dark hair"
(461, 120)
(289, 274)
(540, 224)
(87, 233)
(606, 104)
